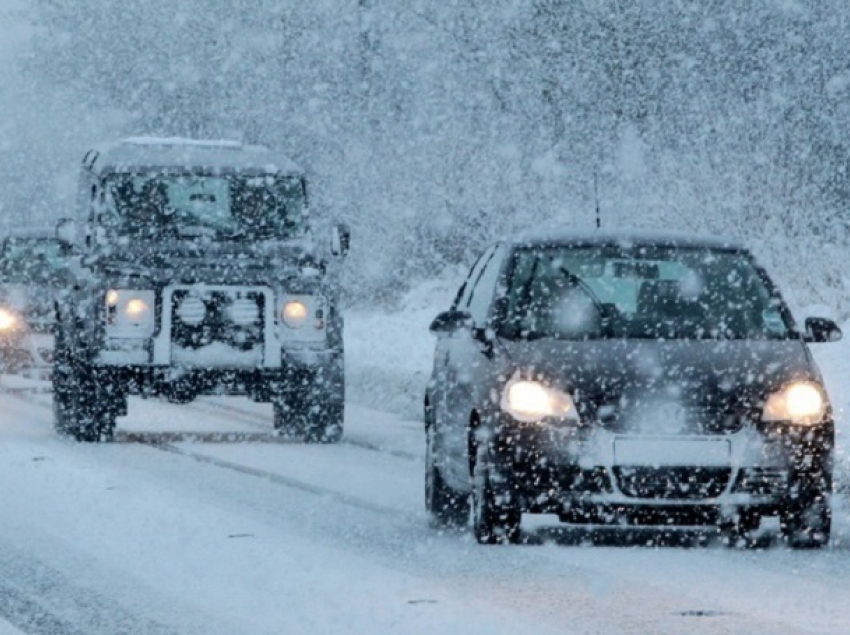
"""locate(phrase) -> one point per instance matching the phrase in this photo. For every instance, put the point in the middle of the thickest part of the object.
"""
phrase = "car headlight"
(800, 402)
(530, 401)
(8, 320)
(130, 312)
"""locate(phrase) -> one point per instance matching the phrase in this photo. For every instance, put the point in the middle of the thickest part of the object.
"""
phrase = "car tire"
(496, 517)
(806, 520)
(448, 508)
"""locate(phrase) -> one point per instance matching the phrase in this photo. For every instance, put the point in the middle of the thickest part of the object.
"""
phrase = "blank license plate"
(652, 451)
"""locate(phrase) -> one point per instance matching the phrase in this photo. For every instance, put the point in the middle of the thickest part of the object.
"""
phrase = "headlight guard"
(130, 313)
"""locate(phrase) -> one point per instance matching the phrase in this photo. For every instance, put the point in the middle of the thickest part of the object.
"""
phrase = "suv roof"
(192, 154)
(44, 233)
(625, 237)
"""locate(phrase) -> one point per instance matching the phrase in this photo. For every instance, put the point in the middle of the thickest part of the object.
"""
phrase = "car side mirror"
(340, 240)
(450, 321)
(66, 232)
(821, 330)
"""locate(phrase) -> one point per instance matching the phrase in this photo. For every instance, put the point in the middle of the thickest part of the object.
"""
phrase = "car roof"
(625, 238)
(139, 153)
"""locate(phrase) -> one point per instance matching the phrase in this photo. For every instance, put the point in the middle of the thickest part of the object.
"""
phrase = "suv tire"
(79, 407)
(306, 417)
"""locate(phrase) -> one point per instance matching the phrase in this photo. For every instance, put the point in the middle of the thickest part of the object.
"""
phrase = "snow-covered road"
(236, 534)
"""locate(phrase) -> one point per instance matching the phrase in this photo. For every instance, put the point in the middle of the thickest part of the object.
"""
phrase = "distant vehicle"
(629, 379)
(32, 268)
(197, 273)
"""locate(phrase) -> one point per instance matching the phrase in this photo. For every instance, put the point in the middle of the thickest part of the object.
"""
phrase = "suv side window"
(482, 293)
(461, 302)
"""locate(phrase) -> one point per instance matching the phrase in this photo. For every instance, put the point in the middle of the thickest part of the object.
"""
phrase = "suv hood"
(211, 262)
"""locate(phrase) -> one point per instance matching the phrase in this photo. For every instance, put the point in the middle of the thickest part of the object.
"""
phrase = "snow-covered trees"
(432, 127)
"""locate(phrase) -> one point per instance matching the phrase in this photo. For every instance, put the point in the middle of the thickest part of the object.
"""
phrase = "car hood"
(704, 373)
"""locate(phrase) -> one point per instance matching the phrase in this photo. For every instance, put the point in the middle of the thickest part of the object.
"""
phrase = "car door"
(469, 366)
(443, 374)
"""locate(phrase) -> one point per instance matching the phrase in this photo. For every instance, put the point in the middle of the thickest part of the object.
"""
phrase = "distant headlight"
(129, 312)
(8, 320)
(530, 401)
(800, 402)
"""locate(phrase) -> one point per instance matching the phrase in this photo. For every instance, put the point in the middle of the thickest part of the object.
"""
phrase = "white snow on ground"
(389, 355)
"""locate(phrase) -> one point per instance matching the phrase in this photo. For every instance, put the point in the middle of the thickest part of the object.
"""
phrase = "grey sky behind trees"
(434, 127)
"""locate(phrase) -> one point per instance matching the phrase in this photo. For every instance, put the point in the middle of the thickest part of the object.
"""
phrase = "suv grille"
(234, 318)
(683, 483)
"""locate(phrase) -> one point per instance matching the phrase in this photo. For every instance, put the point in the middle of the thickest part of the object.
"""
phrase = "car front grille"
(671, 483)
(232, 317)
(762, 481)
(694, 420)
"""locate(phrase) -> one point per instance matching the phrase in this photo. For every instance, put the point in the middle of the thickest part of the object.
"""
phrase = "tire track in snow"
(165, 442)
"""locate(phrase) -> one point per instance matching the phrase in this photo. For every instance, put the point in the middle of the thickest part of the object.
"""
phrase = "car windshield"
(178, 206)
(653, 292)
(31, 260)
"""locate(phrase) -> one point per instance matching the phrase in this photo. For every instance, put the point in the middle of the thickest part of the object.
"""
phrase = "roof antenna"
(596, 198)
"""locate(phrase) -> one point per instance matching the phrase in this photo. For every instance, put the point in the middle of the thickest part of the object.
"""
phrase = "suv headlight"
(530, 401)
(302, 317)
(130, 312)
(801, 402)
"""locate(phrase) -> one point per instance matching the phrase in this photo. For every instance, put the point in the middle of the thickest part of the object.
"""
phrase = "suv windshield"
(656, 292)
(31, 261)
(178, 206)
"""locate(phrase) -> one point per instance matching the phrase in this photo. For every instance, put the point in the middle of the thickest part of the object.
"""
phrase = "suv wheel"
(79, 408)
(806, 522)
(495, 515)
(306, 417)
(740, 531)
(447, 507)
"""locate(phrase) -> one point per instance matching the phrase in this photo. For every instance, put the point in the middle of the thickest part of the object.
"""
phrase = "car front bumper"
(592, 475)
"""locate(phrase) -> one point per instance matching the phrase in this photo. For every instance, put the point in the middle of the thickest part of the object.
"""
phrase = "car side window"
(461, 302)
(485, 287)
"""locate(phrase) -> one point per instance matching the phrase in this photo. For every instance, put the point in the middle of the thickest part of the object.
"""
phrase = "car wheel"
(806, 521)
(447, 507)
(495, 515)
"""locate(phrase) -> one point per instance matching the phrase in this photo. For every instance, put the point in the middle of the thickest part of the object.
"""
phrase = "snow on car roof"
(625, 238)
(190, 154)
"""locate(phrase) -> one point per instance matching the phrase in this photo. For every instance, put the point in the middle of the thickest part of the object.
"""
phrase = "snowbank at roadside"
(388, 356)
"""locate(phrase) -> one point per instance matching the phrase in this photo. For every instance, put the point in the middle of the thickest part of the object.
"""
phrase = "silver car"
(32, 264)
